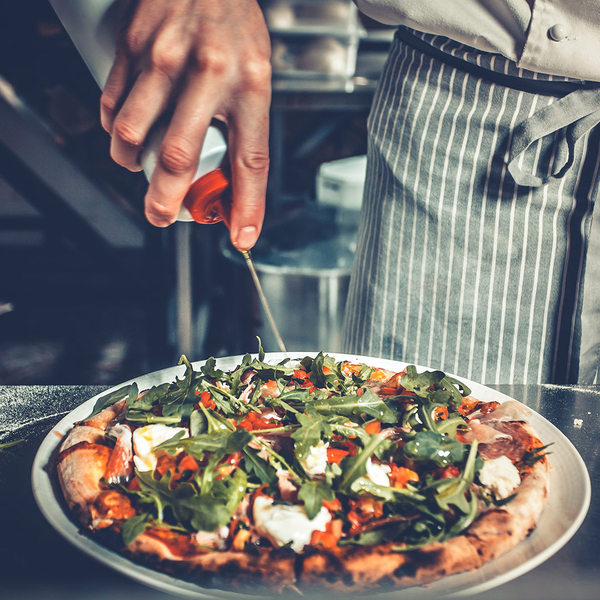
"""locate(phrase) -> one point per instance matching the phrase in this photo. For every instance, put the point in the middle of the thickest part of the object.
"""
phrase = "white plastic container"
(340, 183)
(92, 25)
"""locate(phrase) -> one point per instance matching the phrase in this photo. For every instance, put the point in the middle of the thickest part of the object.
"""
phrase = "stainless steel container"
(304, 266)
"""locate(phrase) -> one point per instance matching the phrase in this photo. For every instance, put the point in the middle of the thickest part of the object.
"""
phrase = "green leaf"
(209, 369)
(11, 444)
(369, 403)
(429, 446)
(198, 423)
(389, 494)
(312, 428)
(221, 443)
(127, 391)
(191, 506)
(260, 467)
(134, 527)
(354, 467)
(151, 397)
(312, 493)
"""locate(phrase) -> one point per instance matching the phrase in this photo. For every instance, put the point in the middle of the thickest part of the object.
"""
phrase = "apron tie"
(577, 113)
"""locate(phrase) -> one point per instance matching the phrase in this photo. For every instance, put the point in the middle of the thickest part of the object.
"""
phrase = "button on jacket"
(558, 37)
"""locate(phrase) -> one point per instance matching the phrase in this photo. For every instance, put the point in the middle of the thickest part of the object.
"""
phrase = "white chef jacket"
(558, 37)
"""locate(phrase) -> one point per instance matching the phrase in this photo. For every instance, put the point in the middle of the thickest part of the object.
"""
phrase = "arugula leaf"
(312, 427)
(198, 423)
(389, 494)
(533, 456)
(312, 493)
(260, 467)
(150, 398)
(190, 505)
(134, 527)
(220, 443)
(209, 369)
(369, 403)
(429, 446)
(127, 391)
(354, 467)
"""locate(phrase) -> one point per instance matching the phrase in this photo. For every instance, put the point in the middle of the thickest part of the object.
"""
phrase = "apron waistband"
(576, 111)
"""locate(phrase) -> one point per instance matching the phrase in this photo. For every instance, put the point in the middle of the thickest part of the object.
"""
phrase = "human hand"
(195, 60)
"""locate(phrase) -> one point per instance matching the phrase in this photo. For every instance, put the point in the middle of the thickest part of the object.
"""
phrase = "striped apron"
(477, 219)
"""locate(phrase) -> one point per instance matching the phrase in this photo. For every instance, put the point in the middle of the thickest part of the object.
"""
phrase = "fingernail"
(158, 221)
(246, 238)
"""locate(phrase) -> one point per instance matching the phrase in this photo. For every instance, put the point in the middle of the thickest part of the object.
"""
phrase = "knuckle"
(108, 104)
(165, 59)
(129, 135)
(177, 156)
(255, 162)
(211, 61)
(256, 74)
(160, 212)
(134, 41)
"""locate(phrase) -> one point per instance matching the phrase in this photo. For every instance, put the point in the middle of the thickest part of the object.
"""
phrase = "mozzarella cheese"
(500, 477)
(145, 440)
(378, 474)
(284, 523)
(315, 462)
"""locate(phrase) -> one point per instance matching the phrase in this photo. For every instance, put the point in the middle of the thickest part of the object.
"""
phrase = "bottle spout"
(209, 198)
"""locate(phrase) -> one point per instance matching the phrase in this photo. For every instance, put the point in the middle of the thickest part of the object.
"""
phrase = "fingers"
(249, 152)
(114, 91)
(146, 101)
(180, 150)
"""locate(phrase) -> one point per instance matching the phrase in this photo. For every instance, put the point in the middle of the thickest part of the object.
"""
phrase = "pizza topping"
(284, 524)
(511, 410)
(120, 464)
(315, 462)
(145, 441)
(378, 474)
(312, 452)
(500, 477)
(214, 539)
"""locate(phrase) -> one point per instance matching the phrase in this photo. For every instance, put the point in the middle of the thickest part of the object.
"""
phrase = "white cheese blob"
(378, 474)
(145, 440)
(315, 462)
(500, 477)
(284, 523)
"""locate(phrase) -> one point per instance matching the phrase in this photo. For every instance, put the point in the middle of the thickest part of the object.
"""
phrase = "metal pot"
(304, 266)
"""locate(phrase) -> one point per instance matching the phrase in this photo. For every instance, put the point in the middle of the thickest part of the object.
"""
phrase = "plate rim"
(56, 512)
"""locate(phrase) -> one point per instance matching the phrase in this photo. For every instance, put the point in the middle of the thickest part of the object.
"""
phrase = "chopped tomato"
(270, 388)
(253, 421)
(206, 399)
(229, 465)
(450, 472)
(328, 538)
(326, 370)
(300, 374)
(379, 375)
(336, 455)
(165, 462)
(333, 505)
(400, 476)
(348, 369)
(187, 463)
(373, 427)
(134, 485)
(441, 412)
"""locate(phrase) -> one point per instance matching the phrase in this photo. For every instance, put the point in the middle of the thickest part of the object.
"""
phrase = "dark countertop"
(36, 562)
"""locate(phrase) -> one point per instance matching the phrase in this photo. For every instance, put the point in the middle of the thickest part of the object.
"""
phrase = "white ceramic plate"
(568, 501)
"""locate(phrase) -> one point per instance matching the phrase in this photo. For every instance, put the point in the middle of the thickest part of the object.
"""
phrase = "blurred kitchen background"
(90, 292)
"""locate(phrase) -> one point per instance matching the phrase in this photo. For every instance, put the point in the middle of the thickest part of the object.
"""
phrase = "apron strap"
(576, 113)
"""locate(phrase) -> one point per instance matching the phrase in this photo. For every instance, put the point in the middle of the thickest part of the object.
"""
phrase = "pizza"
(309, 474)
